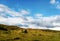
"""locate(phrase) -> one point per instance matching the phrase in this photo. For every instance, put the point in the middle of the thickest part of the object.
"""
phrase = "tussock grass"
(14, 33)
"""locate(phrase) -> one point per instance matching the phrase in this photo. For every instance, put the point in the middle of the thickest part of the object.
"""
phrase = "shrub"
(2, 28)
(35, 40)
(16, 38)
(25, 31)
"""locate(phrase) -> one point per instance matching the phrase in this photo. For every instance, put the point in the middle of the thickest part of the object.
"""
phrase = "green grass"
(14, 33)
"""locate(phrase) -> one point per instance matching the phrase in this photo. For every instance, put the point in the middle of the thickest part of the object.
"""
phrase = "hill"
(14, 33)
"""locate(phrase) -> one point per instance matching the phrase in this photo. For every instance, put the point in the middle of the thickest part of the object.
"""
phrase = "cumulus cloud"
(58, 6)
(24, 12)
(11, 17)
(38, 15)
(6, 12)
(55, 3)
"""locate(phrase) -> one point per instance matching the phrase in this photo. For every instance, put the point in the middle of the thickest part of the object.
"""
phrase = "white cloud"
(53, 1)
(56, 28)
(38, 15)
(4, 11)
(24, 12)
(58, 6)
(11, 17)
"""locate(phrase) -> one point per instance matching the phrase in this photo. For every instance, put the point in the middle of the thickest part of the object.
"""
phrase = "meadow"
(14, 33)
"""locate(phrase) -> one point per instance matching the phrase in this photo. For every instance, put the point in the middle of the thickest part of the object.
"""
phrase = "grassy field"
(14, 33)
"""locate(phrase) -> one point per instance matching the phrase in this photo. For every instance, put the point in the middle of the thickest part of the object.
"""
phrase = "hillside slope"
(14, 33)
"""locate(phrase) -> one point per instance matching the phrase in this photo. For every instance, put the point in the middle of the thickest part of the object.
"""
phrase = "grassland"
(14, 33)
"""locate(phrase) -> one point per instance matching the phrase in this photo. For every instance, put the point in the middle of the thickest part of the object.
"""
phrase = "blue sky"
(38, 14)
(35, 6)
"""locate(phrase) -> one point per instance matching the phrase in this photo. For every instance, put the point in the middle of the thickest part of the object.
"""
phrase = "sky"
(46, 7)
(36, 14)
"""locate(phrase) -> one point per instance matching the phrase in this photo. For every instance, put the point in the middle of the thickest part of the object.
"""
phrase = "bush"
(35, 40)
(2, 28)
(16, 38)
(25, 31)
